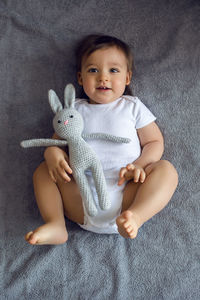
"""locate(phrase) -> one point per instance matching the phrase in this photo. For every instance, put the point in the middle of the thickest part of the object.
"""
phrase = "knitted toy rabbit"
(68, 125)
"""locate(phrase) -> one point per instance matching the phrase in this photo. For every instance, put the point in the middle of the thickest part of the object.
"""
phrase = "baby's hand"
(57, 163)
(131, 171)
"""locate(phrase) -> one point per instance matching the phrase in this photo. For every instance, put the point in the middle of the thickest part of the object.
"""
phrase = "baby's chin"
(102, 100)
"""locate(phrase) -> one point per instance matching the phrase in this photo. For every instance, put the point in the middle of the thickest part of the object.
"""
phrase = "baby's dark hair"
(95, 42)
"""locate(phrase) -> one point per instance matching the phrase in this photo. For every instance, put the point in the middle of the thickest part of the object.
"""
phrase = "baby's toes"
(126, 225)
(31, 238)
(129, 228)
(120, 220)
(132, 234)
(28, 235)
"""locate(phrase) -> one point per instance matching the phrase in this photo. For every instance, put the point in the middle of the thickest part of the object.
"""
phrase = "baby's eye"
(92, 70)
(114, 70)
(59, 121)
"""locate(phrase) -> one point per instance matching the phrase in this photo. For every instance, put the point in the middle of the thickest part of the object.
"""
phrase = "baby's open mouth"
(104, 88)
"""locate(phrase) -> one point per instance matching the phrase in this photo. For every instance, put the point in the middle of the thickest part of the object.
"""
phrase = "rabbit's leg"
(101, 187)
(86, 193)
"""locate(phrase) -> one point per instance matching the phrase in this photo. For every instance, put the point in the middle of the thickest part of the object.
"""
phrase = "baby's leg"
(142, 201)
(50, 199)
(51, 208)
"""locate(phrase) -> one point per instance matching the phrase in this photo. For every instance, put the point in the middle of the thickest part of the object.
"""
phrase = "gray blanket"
(37, 40)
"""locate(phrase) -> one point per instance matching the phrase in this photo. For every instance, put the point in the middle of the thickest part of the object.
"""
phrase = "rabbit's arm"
(107, 137)
(42, 143)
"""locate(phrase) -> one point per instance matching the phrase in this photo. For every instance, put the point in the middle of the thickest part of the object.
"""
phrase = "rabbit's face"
(68, 123)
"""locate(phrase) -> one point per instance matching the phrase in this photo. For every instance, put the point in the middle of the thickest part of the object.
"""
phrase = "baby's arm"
(152, 144)
(57, 162)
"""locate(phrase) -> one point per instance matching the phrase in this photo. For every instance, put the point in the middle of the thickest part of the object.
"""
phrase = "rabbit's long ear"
(69, 96)
(54, 102)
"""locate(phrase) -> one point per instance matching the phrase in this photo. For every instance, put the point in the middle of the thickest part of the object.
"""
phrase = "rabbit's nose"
(65, 123)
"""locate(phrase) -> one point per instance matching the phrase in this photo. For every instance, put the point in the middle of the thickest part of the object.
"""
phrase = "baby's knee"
(169, 167)
(40, 171)
(163, 168)
(170, 171)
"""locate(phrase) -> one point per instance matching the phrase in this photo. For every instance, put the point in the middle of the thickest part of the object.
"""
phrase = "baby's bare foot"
(128, 224)
(48, 234)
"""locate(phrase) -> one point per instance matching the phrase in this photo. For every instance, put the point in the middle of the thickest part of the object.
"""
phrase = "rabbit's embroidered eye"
(59, 121)
(71, 116)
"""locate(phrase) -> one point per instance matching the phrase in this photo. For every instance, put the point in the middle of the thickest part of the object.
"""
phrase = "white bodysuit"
(121, 117)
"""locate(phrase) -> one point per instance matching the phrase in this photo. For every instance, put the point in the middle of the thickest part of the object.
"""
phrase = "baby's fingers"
(55, 176)
(130, 167)
(63, 175)
(65, 166)
(121, 176)
(142, 176)
(51, 173)
(139, 175)
(136, 175)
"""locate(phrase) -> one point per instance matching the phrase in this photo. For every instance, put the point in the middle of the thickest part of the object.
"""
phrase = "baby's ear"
(54, 102)
(69, 96)
(128, 77)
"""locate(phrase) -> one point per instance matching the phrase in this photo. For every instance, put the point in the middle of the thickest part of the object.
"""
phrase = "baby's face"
(104, 75)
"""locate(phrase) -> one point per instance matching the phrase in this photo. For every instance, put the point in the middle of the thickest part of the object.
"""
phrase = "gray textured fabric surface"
(37, 39)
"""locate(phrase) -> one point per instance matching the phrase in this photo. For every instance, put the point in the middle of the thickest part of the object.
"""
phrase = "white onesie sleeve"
(142, 114)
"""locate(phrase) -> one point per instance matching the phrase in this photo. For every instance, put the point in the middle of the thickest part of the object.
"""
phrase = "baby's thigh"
(129, 194)
(72, 201)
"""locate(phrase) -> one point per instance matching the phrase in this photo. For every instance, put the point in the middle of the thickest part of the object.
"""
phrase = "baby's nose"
(103, 76)
(65, 123)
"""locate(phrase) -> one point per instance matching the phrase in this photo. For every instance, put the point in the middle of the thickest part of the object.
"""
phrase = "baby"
(139, 184)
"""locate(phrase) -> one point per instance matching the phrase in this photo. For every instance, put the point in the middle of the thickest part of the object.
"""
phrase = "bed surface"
(37, 40)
